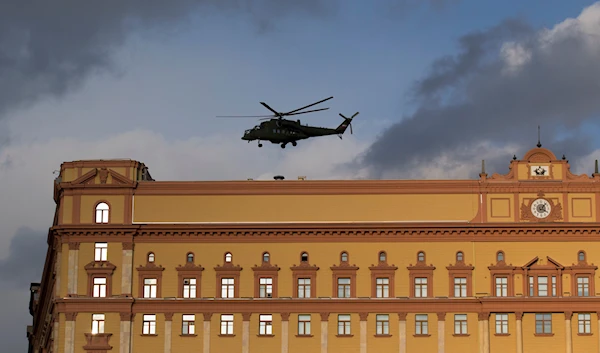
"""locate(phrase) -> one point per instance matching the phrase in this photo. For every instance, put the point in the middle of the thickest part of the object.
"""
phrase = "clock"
(541, 208)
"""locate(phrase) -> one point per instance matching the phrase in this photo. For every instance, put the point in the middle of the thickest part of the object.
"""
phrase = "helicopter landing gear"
(294, 143)
(283, 145)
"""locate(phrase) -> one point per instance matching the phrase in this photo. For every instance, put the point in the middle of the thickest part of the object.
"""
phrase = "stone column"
(55, 333)
(206, 341)
(568, 331)
(285, 332)
(402, 332)
(484, 332)
(127, 270)
(246, 332)
(519, 316)
(73, 268)
(324, 331)
(125, 334)
(168, 331)
(441, 332)
(70, 332)
(363, 332)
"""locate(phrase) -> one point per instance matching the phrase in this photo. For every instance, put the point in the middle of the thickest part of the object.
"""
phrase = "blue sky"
(158, 99)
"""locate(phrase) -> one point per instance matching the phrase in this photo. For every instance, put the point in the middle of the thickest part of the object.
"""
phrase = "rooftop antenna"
(596, 168)
(539, 144)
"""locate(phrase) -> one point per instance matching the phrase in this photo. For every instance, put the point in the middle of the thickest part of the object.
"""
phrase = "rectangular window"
(421, 324)
(501, 324)
(460, 324)
(542, 286)
(303, 324)
(266, 325)
(227, 324)
(97, 323)
(101, 252)
(543, 323)
(583, 286)
(554, 286)
(189, 288)
(150, 285)
(188, 324)
(343, 324)
(265, 289)
(421, 287)
(149, 324)
(343, 287)
(383, 324)
(303, 287)
(383, 287)
(501, 286)
(531, 288)
(227, 288)
(99, 287)
(585, 323)
(460, 287)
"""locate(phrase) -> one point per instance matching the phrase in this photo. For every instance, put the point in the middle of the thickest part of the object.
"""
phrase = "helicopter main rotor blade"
(310, 105)
(245, 116)
(271, 109)
(308, 111)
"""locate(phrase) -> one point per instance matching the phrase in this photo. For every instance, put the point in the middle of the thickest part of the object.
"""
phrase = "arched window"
(500, 256)
(581, 256)
(228, 257)
(382, 256)
(344, 257)
(151, 257)
(190, 257)
(459, 256)
(266, 257)
(304, 257)
(102, 212)
(421, 256)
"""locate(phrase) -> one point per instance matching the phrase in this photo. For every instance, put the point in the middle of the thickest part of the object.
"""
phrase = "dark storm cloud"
(25, 261)
(478, 97)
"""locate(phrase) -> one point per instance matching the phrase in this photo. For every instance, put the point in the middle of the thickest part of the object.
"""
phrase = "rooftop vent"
(278, 177)
(302, 178)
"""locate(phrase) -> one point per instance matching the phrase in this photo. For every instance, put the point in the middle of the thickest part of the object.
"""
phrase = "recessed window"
(227, 288)
(266, 325)
(266, 257)
(460, 324)
(151, 257)
(543, 323)
(421, 324)
(382, 324)
(421, 256)
(227, 324)
(303, 324)
(304, 257)
(344, 257)
(188, 324)
(190, 257)
(102, 212)
(228, 257)
(150, 287)
(101, 250)
(189, 288)
(382, 256)
(459, 256)
(502, 324)
(500, 256)
(149, 324)
(99, 287)
(343, 287)
(303, 287)
(344, 324)
(581, 256)
(265, 289)
(97, 323)
(584, 324)
(383, 287)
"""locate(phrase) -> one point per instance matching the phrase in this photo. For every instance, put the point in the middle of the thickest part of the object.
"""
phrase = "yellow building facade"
(502, 263)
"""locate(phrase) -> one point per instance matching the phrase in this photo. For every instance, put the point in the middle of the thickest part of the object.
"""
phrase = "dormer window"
(382, 256)
(266, 257)
(304, 257)
(151, 257)
(190, 257)
(228, 257)
(102, 212)
(421, 256)
(344, 257)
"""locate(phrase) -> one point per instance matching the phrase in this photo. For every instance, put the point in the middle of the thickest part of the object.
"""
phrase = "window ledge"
(188, 335)
(461, 334)
(543, 334)
(422, 335)
(585, 334)
(259, 335)
(382, 335)
(149, 335)
(226, 335)
(306, 336)
(344, 336)
(502, 334)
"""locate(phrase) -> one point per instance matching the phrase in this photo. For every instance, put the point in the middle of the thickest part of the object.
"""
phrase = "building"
(500, 263)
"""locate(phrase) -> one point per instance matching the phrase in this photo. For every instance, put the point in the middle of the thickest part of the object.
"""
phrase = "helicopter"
(278, 130)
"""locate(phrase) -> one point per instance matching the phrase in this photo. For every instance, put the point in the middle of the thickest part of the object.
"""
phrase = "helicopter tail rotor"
(345, 124)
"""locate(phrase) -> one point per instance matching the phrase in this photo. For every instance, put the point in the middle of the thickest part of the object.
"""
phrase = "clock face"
(540, 208)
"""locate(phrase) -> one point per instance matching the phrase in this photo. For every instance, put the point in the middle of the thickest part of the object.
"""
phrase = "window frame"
(304, 324)
(186, 324)
(150, 320)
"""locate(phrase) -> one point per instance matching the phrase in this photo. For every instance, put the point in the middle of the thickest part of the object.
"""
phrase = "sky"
(439, 84)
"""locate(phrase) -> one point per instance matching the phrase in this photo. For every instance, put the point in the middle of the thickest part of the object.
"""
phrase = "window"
(583, 286)
(501, 286)
(421, 324)
(303, 324)
(343, 324)
(343, 288)
(585, 323)
(149, 324)
(382, 324)
(460, 287)
(460, 324)
(151, 257)
(304, 257)
(97, 323)
(303, 287)
(421, 287)
(421, 256)
(101, 252)
(228, 257)
(501, 324)
(99, 287)
(344, 257)
(266, 257)
(102, 212)
(581, 256)
(266, 288)
(543, 323)
(383, 288)
(189, 288)
(150, 285)
(188, 324)
(266, 325)
(459, 256)
(227, 324)
(382, 256)
(541, 284)
(499, 256)
(190, 257)
(227, 288)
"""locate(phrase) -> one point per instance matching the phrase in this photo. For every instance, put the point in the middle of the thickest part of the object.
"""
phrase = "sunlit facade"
(500, 263)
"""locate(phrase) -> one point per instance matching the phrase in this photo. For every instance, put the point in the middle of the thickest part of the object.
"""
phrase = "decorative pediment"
(90, 177)
(190, 267)
(150, 267)
(344, 266)
(228, 266)
(304, 266)
(100, 267)
(87, 178)
(543, 264)
(266, 267)
(119, 178)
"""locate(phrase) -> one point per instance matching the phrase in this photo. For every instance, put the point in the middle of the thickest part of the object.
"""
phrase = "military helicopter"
(278, 130)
